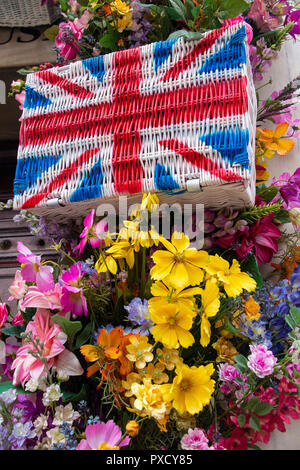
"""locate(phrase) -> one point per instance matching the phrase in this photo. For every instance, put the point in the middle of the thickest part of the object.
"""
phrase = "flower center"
(105, 446)
(185, 384)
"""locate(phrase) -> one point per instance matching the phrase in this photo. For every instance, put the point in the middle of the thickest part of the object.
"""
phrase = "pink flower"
(82, 22)
(237, 440)
(261, 361)
(102, 436)
(261, 238)
(18, 319)
(227, 373)
(49, 300)
(195, 439)
(67, 39)
(20, 97)
(238, 19)
(33, 270)
(91, 233)
(3, 314)
(26, 366)
(264, 21)
(18, 288)
(72, 298)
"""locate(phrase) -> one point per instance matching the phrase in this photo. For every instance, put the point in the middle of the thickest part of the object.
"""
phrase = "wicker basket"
(27, 13)
(177, 117)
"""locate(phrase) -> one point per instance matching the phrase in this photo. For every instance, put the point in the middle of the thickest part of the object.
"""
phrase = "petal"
(281, 129)
(179, 277)
(284, 146)
(67, 363)
(180, 241)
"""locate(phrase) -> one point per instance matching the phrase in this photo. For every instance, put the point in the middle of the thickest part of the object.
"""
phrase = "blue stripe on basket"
(33, 99)
(232, 55)
(96, 66)
(91, 185)
(162, 51)
(231, 144)
(163, 178)
(29, 169)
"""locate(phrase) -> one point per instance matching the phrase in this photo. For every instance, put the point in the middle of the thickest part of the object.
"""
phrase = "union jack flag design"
(168, 116)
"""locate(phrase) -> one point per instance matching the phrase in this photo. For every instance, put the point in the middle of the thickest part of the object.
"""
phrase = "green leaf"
(15, 330)
(51, 32)
(295, 314)
(241, 420)
(186, 34)
(289, 320)
(252, 403)
(75, 397)
(84, 336)
(229, 327)
(241, 361)
(28, 314)
(262, 408)
(232, 8)
(250, 265)
(69, 327)
(179, 7)
(172, 14)
(196, 10)
(254, 423)
(109, 40)
(4, 386)
(282, 217)
(268, 193)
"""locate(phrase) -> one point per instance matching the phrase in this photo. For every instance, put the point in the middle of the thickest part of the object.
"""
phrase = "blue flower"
(139, 315)
(295, 278)
(294, 298)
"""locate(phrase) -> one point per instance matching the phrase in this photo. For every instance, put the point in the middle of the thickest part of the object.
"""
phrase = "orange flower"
(252, 309)
(272, 139)
(110, 345)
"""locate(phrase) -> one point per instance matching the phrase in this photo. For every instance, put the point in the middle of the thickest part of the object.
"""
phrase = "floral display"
(132, 340)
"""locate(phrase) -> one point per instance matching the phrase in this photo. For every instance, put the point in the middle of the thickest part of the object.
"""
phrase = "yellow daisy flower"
(272, 139)
(191, 389)
(233, 279)
(172, 326)
(210, 305)
(179, 265)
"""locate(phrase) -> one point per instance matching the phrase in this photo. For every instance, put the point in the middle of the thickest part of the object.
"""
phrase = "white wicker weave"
(131, 121)
(25, 13)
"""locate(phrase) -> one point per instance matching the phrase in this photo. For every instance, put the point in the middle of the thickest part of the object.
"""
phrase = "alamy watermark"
(163, 219)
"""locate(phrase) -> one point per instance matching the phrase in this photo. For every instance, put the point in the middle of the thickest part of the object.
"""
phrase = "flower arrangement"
(138, 341)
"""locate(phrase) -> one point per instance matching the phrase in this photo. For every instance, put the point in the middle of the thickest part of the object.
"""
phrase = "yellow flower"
(210, 305)
(225, 350)
(233, 279)
(272, 139)
(180, 266)
(169, 357)
(172, 326)
(252, 309)
(106, 263)
(162, 293)
(132, 428)
(105, 446)
(121, 7)
(155, 373)
(131, 378)
(191, 389)
(124, 22)
(123, 249)
(139, 351)
(149, 202)
(150, 400)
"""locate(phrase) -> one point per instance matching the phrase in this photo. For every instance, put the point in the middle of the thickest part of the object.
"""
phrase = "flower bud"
(132, 428)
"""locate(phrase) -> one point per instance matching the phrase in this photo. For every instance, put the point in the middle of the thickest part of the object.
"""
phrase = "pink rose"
(261, 361)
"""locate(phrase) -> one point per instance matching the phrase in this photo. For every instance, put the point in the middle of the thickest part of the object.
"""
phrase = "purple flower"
(21, 432)
(9, 396)
(289, 187)
(294, 17)
(138, 314)
(261, 361)
(227, 373)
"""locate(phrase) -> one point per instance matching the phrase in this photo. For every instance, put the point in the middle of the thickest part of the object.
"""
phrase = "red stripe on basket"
(199, 160)
(189, 58)
(60, 179)
(136, 112)
(127, 169)
(65, 84)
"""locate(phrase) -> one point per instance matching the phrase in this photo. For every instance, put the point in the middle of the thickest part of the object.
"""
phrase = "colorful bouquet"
(131, 339)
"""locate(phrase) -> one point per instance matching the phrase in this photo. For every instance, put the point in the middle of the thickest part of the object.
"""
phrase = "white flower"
(52, 394)
(62, 376)
(40, 424)
(9, 396)
(54, 436)
(65, 414)
(31, 385)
